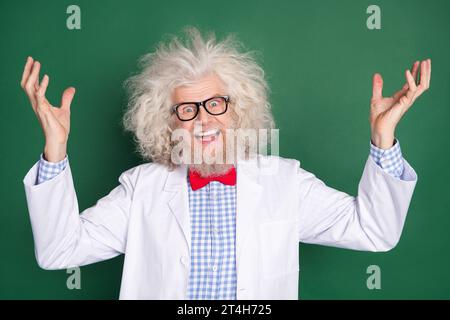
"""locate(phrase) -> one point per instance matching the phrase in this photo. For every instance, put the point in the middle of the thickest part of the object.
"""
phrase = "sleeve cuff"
(48, 170)
(390, 160)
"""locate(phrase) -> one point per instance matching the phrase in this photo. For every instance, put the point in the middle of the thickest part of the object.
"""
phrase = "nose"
(203, 116)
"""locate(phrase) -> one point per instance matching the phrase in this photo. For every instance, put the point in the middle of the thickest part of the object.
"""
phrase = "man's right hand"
(55, 122)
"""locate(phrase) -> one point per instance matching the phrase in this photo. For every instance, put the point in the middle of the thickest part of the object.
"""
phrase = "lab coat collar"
(248, 197)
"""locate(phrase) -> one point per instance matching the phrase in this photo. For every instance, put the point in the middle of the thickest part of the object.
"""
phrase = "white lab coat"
(279, 204)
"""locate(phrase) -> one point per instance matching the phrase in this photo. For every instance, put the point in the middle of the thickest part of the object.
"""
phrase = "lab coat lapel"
(178, 203)
(248, 197)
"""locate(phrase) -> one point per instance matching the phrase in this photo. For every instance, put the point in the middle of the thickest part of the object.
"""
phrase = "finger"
(411, 83)
(404, 89)
(424, 72)
(67, 97)
(36, 84)
(26, 71)
(412, 95)
(407, 99)
(29, 85)
(423, 77)
(377, 86)
(40, 94)
(414, 69)
(414, 91)
(33, 78)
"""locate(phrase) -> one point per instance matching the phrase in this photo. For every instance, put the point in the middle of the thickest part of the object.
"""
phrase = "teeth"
(207, 133)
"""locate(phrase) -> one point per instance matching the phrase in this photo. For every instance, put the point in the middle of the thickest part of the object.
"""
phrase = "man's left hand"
(386, 112)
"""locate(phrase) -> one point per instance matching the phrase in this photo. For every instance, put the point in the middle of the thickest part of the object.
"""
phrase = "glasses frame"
(174, 108)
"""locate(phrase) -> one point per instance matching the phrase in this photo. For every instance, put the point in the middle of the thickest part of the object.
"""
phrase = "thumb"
(67, 97)
(377, 86)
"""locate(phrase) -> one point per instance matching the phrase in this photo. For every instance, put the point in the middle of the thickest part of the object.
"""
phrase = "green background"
(319, 58)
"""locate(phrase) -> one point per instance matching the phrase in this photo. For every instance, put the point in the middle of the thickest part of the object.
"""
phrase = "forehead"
(201, 89)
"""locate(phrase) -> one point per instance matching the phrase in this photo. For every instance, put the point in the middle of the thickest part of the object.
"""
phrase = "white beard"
(206, 170)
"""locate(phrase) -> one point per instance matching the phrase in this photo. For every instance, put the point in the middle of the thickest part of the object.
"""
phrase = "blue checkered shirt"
(213, 227)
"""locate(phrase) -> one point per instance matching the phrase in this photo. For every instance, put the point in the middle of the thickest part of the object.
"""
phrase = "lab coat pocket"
(279, 247)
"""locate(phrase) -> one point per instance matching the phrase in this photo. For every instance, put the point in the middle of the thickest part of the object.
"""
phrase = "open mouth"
(207, 136)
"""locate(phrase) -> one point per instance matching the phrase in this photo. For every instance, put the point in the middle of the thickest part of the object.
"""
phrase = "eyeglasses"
(215, 106)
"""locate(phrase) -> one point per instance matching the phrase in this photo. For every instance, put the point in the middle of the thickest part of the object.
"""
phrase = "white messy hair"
(181, 61)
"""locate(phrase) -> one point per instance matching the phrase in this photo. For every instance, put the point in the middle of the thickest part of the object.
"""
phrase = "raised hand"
(55, 122)
(386, 112)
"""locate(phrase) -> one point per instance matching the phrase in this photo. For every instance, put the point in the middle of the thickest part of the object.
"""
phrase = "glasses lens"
(186, 111)
(216, 105)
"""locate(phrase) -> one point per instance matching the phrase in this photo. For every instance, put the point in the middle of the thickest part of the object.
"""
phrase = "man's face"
(210, 130)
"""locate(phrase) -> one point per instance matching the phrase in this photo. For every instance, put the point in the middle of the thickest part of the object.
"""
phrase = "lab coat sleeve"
(371, 221)
(63, 237)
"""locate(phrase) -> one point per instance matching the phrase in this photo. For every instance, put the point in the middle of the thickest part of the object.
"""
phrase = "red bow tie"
(198, 181)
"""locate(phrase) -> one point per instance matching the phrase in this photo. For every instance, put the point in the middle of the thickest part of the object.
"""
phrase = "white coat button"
(183, 260)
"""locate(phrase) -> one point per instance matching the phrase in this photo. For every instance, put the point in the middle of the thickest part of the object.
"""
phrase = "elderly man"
(221, 230)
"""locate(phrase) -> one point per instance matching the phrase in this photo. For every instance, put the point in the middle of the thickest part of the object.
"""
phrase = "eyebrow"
(214, 95)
